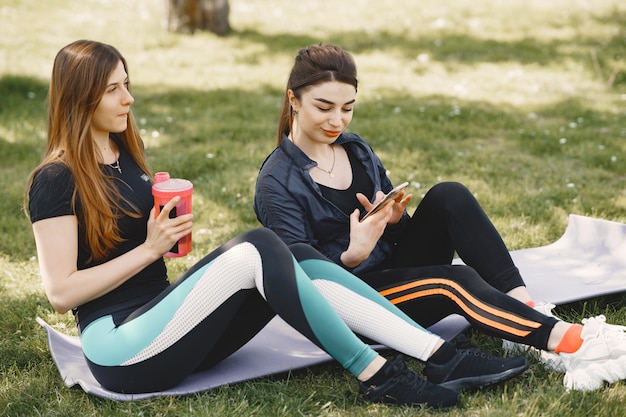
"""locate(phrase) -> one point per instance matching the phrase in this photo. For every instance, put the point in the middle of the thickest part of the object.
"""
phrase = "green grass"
(523, 101)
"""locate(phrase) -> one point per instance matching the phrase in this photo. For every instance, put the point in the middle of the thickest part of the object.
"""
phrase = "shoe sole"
(434, 407)
(485, 380)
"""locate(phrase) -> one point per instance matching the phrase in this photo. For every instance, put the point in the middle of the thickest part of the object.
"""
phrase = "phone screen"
(388, 197)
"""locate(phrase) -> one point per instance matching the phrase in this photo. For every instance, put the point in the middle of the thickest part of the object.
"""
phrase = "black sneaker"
(405, 387)
(471, 368)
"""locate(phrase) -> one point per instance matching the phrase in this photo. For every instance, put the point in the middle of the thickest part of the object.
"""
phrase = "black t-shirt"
(346, 199)
(51, 196)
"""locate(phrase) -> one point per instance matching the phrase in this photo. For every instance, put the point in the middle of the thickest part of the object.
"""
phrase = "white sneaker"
(601, 358)
(550, 360)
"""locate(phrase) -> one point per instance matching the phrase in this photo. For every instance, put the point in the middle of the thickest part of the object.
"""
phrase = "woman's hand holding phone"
(389, 197)
(364, 236)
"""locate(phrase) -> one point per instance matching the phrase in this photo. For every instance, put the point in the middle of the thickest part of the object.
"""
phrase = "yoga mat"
(276, 349)
(589, 260)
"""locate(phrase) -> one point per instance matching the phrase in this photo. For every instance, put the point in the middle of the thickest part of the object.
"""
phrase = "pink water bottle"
(163, 190)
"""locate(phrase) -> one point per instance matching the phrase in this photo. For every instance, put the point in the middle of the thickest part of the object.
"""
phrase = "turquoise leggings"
(227, 298)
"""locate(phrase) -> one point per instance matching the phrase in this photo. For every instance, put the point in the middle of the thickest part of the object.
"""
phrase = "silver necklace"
(116, 165)
(329, 171)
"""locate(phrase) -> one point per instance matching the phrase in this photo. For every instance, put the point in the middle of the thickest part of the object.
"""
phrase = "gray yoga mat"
(589, 260)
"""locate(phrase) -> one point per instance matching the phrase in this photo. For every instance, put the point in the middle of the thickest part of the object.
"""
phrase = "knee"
(451, 194)
(265, 240)
(449, 189)
(302, 251)
(261, 233)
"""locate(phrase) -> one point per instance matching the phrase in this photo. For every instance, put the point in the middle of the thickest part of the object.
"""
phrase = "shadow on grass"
(453, 49)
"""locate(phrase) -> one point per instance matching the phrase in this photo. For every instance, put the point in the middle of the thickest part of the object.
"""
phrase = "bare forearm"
(88, 284)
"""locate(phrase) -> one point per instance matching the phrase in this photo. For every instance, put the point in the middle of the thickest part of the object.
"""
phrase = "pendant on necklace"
(117, 166)
(331, 175)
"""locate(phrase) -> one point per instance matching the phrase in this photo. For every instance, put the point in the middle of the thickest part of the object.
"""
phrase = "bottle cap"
(172, 187)
(161, 176)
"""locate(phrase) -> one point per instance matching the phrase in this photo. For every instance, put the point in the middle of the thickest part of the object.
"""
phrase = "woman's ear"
(293, 100)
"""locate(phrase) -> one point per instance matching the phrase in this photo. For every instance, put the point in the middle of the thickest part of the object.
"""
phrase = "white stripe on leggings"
(370, 319)
(235, 269)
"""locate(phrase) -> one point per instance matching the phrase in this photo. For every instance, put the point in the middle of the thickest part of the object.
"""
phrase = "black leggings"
(422, 282)
(228, 297)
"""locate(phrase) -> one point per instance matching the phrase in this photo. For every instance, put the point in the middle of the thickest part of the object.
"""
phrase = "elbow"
(60, 310)
(59, 307)
(59, 303)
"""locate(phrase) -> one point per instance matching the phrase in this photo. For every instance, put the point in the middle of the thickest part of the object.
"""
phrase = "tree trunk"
(187, 16)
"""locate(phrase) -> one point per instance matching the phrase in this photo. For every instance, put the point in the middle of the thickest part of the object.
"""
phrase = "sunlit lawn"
(523, 101)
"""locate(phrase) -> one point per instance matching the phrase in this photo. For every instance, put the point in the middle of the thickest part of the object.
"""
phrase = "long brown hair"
(314, 65)
(79, 78)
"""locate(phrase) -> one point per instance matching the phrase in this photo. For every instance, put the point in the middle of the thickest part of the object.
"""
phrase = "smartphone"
(388, 197)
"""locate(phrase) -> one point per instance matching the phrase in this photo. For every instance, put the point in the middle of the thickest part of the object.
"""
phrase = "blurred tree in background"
(187, 16)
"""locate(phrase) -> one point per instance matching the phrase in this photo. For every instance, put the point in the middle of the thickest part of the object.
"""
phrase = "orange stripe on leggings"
(472, 299)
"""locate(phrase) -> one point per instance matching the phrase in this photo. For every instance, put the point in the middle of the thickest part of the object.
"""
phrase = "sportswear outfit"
(147, 334)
